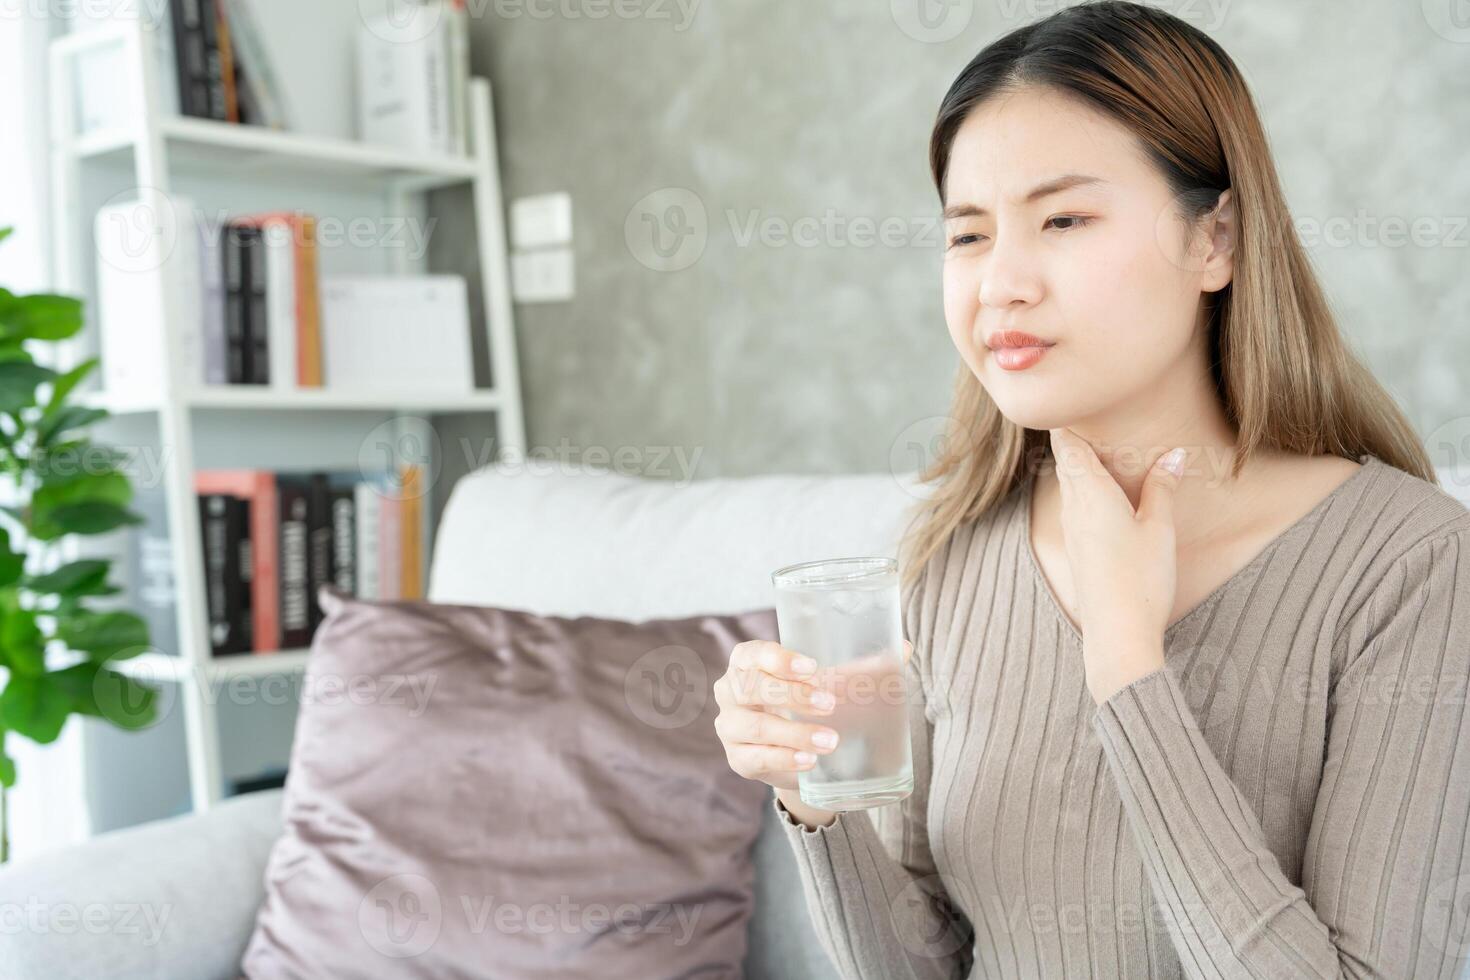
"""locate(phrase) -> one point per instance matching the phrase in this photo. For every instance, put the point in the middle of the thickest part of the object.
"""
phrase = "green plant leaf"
(96, 690)
(24, 646)
(90, 504)
(85, 577)
(11, 564)
(67, 418)
(41, 316)
(5, 233)
(85, 517)
(68, 462)
(104, 635)
(19, 379)
(64, 384)
(34, 707)
(7, 764)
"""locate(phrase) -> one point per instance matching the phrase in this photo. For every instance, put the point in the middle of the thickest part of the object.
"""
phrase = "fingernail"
(805, 758)
(1174, 461)
(824, 699)
(825, 740)
(804, 665)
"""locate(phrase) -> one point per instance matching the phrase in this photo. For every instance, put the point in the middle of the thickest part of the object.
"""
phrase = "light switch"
(543, 276)
(541, 220)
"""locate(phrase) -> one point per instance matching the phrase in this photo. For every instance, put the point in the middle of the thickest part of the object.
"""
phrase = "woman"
(1207, 724)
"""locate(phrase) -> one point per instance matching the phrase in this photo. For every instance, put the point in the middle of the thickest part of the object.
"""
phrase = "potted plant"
(56, 645)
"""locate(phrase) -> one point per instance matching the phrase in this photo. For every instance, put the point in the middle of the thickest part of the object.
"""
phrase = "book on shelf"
(275, 254)
(254, 309)
(410, 331)
(413, 78)
(264, 570)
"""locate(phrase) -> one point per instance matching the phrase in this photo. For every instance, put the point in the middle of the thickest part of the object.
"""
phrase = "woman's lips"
(1019, 358)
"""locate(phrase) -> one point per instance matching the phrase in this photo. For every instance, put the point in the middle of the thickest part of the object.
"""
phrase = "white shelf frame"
(160, 145)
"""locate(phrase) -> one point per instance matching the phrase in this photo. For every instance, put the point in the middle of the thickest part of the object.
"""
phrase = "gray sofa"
(177, 898)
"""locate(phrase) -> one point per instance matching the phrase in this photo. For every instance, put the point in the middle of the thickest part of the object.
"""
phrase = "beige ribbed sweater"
(1288, 796)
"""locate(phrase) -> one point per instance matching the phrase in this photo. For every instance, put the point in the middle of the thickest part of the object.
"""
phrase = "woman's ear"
(1219, 262)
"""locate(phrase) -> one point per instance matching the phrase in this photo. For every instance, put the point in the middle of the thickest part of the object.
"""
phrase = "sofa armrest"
(171, 898)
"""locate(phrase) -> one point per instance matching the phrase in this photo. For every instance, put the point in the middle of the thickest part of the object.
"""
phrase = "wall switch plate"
(543, 276)
(542, 220)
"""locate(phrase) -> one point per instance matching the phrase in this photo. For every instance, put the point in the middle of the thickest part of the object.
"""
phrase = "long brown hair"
(1285, 376)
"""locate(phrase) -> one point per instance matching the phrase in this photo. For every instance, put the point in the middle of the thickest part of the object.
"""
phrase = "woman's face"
(1101, 269)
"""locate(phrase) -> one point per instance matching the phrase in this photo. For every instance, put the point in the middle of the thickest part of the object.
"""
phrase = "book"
(229, 77)
(344, 538)
(293, 314)
(258, 487)
(262, 87)
(411, 529)
(149, 565)
(134, 270)
(199, 67)
(257, 329)
(319, 545)
(407, 332)
(223, 524)
(236, 289)
(367, 551)
(404, 79)
(295, 601)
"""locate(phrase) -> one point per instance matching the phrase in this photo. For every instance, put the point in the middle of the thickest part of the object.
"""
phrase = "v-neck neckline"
(1367, 461)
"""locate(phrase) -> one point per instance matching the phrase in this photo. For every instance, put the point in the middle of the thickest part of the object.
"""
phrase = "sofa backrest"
(602, 543)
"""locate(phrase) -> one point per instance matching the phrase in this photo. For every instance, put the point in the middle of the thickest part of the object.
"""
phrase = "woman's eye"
(962, 240)
(1077, 221)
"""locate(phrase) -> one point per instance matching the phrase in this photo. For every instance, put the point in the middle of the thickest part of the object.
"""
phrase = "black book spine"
(294, 500)
(318, 544)
(257, 331)
(245, 562)
(344, 539)
(191, 63)
(236, 303)
(197, 59)
(222, 528)
(217, 104)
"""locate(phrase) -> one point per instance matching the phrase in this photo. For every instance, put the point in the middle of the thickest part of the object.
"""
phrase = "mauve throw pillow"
(489, 793)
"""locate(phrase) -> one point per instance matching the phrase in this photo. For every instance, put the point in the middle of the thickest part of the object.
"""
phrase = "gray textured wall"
(769, 355)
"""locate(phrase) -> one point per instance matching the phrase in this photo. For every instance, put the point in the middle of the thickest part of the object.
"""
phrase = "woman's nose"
(1007, 276)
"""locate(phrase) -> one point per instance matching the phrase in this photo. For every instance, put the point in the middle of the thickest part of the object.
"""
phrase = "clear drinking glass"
(844, 613)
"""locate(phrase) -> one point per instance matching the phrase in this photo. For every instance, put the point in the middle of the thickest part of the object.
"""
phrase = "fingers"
(745, 726)
(763, 674)
(769, 763)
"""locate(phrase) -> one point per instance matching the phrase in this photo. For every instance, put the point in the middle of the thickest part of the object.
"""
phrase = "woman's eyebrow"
(1052, 186)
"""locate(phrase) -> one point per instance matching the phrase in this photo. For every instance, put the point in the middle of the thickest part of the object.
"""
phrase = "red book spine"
(259, 487)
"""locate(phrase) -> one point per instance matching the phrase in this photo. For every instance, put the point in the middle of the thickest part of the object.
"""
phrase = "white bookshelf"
(155, 151)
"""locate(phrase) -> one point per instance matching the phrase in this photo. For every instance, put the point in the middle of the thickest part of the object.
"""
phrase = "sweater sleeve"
(1386, 870)
(878, 905)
